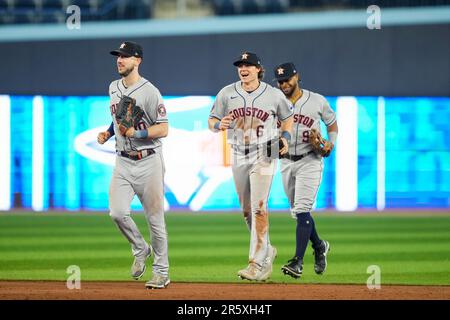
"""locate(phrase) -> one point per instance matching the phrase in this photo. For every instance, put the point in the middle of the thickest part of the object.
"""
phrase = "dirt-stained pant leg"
(253, 174)
(241, 175)
(149, 186)
(121, 194)
(261, 177)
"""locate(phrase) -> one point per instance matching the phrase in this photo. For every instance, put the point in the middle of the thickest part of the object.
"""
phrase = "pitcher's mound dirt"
(55, 290)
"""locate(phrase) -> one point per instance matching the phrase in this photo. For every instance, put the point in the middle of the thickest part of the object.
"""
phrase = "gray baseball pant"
(144, 178)
(253, 175)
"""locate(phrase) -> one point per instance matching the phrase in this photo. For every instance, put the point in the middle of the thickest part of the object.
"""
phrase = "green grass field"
(212, 247)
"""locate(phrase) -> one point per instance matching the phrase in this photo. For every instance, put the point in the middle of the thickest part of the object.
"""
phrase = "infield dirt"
(57, 290)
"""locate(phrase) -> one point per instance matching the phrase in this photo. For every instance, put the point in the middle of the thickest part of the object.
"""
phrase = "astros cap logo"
(244, 56)
(122, 45)
(280, 71)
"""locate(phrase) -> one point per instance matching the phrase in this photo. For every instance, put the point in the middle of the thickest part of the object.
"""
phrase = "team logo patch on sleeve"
(162, 110)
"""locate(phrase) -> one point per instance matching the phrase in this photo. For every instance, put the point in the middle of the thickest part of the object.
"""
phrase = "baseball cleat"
(320, 257)
(287, 273)
(158, 281)
(252, 272)
(138, 267)
(267, 268)
(293, 268)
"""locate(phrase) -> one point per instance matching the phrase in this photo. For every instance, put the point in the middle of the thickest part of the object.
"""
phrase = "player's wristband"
(286, 135)
(332, 135)
(111, 130)
(140, 134)
(217, 125)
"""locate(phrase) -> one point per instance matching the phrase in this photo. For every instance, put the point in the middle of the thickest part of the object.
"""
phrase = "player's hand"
(225, 122)
(285, 148)
(327, 148)
(102, 137)
(130, 132)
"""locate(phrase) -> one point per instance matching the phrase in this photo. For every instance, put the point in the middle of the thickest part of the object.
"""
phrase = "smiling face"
(248, 72)
(126, 65)
(288, 86)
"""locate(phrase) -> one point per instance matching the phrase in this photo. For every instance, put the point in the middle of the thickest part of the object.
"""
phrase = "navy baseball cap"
(285, 71)
(129, 49)
(249, 58)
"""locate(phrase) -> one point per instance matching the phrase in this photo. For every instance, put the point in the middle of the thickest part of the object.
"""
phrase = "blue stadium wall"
(335, 56)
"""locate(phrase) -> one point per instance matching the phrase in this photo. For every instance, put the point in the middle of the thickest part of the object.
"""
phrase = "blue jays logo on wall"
(193, 155)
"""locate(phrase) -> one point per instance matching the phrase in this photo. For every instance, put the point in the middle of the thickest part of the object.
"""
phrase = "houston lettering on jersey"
(305, 120)
(247, 112)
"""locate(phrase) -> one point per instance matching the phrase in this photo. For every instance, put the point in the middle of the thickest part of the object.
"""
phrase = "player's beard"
(126, 72)
(290, 93)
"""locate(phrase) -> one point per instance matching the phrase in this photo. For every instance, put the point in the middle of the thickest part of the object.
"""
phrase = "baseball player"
(139, 168)
(249, 110)
(302, 168)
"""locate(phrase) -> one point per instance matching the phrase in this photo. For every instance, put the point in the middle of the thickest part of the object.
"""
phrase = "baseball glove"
(319, 144)
(128, 114)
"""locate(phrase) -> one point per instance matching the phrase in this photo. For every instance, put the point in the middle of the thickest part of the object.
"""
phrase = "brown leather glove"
(128, 114)
(319, 144)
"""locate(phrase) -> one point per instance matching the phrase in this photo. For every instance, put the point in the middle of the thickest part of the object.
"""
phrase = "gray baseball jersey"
(150, 100)
(255, 117)
(254, 114)
(308, 111)
(302, 178)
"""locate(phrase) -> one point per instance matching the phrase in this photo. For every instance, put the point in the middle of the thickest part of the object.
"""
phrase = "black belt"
(246, 149)
(299, 157)
(137, 155)
(267, 147)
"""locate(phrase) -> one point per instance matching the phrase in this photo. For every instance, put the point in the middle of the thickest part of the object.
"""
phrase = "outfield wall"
(50, 157)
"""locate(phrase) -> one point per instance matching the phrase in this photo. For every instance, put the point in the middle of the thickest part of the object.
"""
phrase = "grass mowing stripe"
(409, 250)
